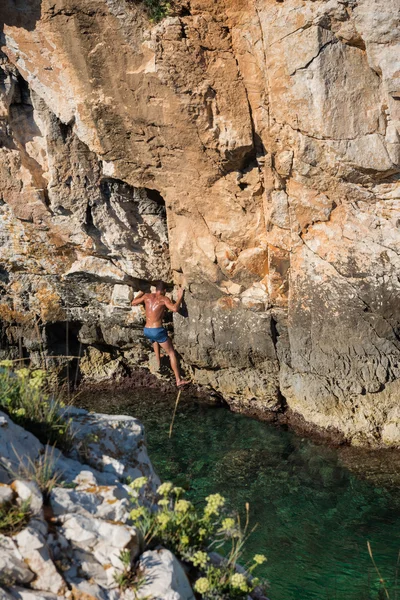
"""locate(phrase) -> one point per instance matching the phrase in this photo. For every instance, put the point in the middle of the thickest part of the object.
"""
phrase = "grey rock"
(115, 445)
(6, 493)
(23, 594)
(165, 577)
(32, 546)
(17, 447)
(13, 569)
(110, 503)
(29, 490)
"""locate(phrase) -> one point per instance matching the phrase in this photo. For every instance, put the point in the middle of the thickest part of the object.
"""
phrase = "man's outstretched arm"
(175, 306)
(139, 299)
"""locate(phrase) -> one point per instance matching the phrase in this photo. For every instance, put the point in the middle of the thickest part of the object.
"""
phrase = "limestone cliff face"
(247, 149)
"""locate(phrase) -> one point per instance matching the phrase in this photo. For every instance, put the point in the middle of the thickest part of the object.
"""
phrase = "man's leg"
(169, 349)
(156, 349)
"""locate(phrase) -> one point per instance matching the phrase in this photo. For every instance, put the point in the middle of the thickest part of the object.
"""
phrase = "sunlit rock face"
(247, 150)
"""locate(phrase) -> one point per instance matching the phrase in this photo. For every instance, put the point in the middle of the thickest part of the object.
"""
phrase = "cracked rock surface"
(249, 151)
(72, 548)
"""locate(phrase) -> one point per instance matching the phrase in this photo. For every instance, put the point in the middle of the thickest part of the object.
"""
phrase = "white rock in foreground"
(22, 594)
(6, 493)
(115, 444)
(29, 490)
(165, 578)
(32, 545)
(79, 554)
(16, 446)
(12, 565)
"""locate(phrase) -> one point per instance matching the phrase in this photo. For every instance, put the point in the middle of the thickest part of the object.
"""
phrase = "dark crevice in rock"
(155, 196)
(274, 331)
(181, 8)
(93, 232)
(65, 130)
(322, 48)
(4, 275)
(275, 334)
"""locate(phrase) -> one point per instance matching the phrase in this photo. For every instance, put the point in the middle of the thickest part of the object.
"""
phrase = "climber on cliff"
(155, 305)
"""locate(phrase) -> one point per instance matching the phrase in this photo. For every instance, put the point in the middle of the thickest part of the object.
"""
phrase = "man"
(155, 305)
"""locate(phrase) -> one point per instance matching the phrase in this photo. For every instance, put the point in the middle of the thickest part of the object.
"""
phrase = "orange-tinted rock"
(247, 150)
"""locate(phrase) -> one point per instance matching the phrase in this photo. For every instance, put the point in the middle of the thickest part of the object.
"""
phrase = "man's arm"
(139, 299)
(175, 306)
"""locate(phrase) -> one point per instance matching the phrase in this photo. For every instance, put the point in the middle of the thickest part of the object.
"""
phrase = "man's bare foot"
(181, 383)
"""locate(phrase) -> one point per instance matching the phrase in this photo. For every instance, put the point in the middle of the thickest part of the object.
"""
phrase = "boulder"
(115, 444)
(106, 502)
(165, 578)
(97, 544)
(13, 569)
(32, 545)
(29, 490)
(17, 447)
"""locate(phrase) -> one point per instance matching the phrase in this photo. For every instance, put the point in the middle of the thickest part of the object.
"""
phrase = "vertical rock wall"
(248, 150)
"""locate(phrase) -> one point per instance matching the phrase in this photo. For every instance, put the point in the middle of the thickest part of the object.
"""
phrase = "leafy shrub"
(157, 9)
(177, 525)
(25, 397)
(13, 518)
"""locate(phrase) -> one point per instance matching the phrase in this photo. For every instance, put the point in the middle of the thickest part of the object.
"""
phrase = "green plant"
(13, 518)
(24, 395)
(42, 471)
(157, 9)
(129, 578)
(177, 525)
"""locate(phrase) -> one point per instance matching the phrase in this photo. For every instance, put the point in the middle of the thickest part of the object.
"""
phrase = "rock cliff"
(247, 149)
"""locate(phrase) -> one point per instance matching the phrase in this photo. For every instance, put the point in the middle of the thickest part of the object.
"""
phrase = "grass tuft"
(13, 518)
(41, 471)
(130, 578)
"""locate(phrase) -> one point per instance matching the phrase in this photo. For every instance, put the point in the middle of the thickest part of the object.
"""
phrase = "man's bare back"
(155, 306)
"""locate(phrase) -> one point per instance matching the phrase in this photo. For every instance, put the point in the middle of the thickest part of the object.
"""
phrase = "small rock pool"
(316, 507)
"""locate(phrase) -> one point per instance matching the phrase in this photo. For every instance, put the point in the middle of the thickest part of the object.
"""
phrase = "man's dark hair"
(160, 286)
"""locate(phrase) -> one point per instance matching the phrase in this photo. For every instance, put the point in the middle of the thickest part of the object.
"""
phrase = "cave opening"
(155, 196)
(62, 338)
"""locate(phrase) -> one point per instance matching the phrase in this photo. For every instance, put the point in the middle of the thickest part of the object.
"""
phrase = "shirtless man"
(155, 305)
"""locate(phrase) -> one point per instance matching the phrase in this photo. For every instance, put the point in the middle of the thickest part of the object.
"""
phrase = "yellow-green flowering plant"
(25, 396)
(173, 522)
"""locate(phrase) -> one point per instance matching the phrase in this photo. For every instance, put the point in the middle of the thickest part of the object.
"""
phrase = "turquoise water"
(314, 516)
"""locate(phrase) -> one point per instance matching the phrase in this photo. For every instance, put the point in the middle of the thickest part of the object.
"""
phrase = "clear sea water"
(314, 516)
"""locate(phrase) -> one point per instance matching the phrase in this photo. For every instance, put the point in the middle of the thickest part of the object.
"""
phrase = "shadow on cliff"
(19, 13)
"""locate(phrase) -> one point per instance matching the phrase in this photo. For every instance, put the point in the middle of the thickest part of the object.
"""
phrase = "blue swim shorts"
(156, 334)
